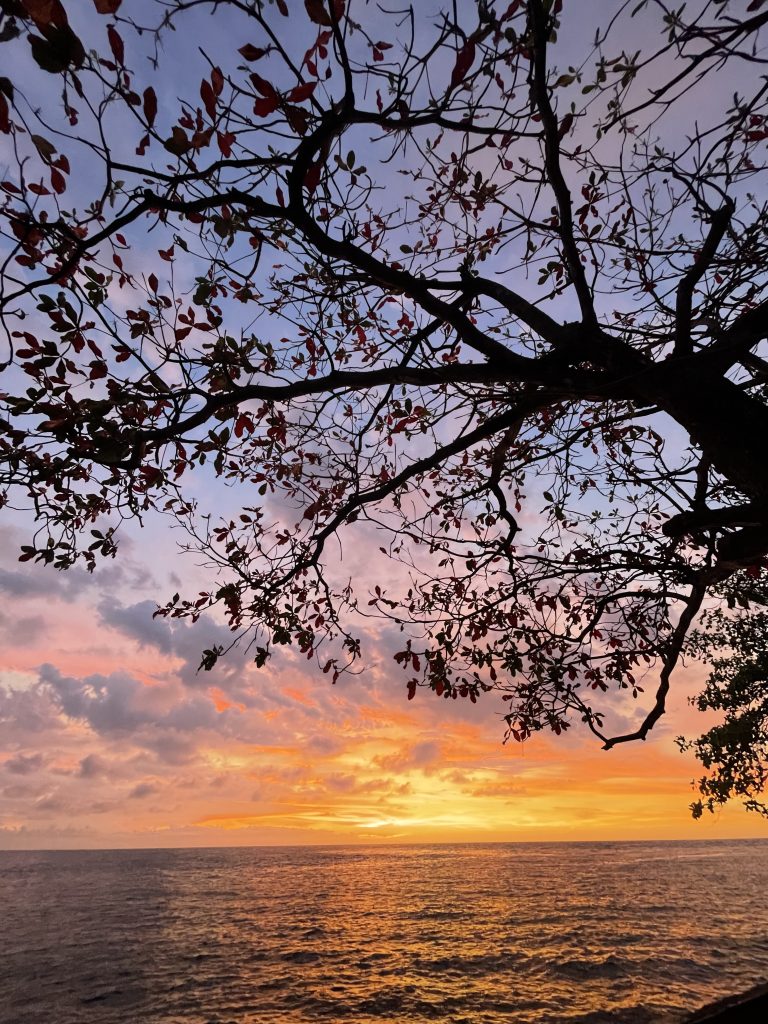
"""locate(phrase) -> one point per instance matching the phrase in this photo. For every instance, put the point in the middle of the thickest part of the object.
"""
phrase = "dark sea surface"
(471, 934)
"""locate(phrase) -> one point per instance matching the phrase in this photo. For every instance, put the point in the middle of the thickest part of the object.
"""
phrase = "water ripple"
(540, 934)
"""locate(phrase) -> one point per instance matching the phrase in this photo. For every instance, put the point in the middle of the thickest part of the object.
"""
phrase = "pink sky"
(109, 737)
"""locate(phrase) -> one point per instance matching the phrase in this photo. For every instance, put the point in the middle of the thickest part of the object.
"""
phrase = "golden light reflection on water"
(481, 933)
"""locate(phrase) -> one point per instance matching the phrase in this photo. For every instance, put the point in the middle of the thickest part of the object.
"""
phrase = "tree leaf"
(45, 148)
(60, 50)
(46, 13)
(178, 143)
(301, 92)
(251, 53)
(150, 105)
(116, 44)
(208, 98)
(266, 106)
(318, 12)
(465, 58)
(264, 87)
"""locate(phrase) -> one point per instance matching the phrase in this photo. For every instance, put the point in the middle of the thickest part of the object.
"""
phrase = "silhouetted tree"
(479, 283)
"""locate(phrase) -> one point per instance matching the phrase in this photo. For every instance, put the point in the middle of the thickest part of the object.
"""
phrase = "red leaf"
(152, 282)
(312, 178)
(465, 58)
(45, 12)
(150, 105)
(266, 88)
(151, 474)
(298, 119)
(318, 11)
(5, 124)
(282, 7)
(225, 140)
(510, 10)
(116, 44)
(250, 52)
(107, 6)
(265, 107)
(217, 81)
(58, 181)
(243, 423)
(302, 92)
(411, 689)
(208, 97)
(178, 143)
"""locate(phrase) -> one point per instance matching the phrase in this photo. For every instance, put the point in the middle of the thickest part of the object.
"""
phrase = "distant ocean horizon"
(630, 931)
(388, 843)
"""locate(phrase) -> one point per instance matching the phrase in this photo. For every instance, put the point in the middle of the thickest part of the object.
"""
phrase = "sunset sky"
(109, 736)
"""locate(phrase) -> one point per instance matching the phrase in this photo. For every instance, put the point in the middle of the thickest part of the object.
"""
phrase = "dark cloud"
(22, 791)
(35, 580)
(109, 704)
(142, 790)
(180, 639)
(25, 631)
(25, 711)
(169, 748)
(25, 764)
(53, 803)
(324, 745)
(30, 584)
(118, 704)
(422, 755)
(136, 621)
(92, 767)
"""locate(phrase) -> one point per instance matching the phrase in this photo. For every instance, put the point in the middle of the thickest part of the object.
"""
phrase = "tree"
(734, 752)
(487, 296)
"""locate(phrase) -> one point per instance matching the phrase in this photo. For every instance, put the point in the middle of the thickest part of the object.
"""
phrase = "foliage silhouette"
(487, 298)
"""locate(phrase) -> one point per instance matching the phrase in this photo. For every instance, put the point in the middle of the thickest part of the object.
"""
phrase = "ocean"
(469, 934)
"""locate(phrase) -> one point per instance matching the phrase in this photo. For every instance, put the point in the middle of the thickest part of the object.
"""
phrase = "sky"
(110, 737)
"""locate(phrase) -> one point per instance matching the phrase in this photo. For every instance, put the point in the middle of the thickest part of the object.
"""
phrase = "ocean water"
(470, 934)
